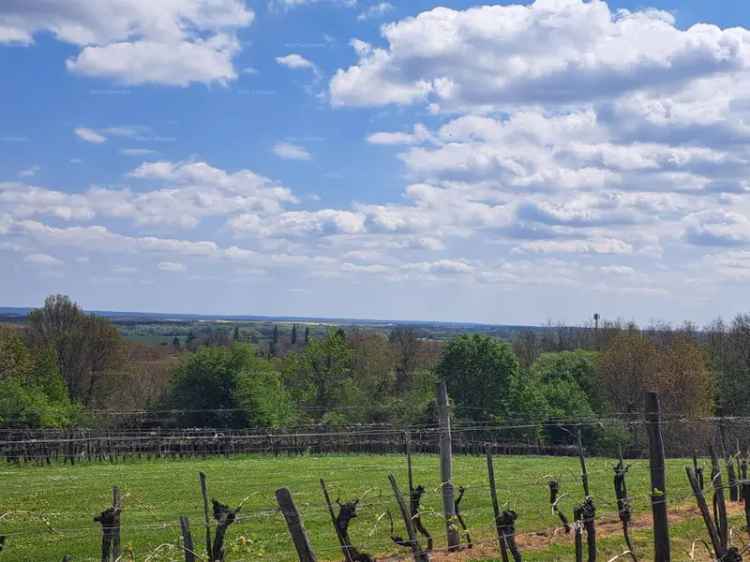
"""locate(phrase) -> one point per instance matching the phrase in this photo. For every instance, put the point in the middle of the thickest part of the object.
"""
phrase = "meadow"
(47, 512)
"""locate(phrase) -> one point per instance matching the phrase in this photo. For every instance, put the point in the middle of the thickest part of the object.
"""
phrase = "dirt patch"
(542, 540)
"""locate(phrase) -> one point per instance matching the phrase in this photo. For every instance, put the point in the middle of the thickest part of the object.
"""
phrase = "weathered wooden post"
(187, 539)
(733, 495)
(417, 552)
(446, 466)
(719, 504)
(713, 532)
(117, 505)
(624, 511)
(345, 547)
(662, 547)
(294, 523)
(206, 518)
(496, 507)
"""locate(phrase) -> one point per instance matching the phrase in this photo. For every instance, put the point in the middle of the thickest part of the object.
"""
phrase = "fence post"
(206, 519)
(733, 495)
(496, 506)
(294, 523)
(345, 547)
(187, 539)
(446, 467)
(117, 505)
(417, 552)
(658, 479)
(719, 504)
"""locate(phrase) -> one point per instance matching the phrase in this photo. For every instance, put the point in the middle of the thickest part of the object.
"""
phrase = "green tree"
(32, 392)
(85, 346)
(480, 372)
(229, 387)
(571, 368)
(318, 375)
(294, 334)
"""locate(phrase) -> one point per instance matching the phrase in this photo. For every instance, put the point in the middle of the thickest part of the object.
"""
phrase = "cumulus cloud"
(375, 11)
(138, 41)
(89, 135)
(551, 51)
(295, 61)
(419, 135)
(186, 193)
(289, 151)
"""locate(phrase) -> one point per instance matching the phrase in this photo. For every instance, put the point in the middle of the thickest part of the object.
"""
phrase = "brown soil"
(605, 527)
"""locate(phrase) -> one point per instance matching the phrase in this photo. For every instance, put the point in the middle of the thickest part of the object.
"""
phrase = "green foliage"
(316, 377)
(32, 392)
(232, 379)
(85, 346)
(576, 367)
(24, 405)
(479, 371)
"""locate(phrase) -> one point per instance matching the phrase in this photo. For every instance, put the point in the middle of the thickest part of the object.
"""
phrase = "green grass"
(47, 512)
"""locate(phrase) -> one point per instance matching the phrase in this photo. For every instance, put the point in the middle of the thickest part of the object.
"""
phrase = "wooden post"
(733, 496)
(407, 444)
(662, 547)
(446, 466)
(578, 526)
(584, 472)
(713, 532)
(719, 503)
(345, 547)
(623, 503)
(187, 540)
(117, 505)
(496, 506)
(294, 523)
(417, 552)
(206, 518)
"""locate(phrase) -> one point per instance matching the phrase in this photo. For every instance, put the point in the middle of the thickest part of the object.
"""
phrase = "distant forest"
(61, 367)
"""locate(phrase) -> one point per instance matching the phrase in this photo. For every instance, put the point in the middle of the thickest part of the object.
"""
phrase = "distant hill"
(15, 314)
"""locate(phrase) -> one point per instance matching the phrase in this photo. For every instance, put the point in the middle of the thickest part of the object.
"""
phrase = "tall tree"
(294, 334)
(85, 346)
(406, 346)
(229, 387)
(307, 335)
(480, 372)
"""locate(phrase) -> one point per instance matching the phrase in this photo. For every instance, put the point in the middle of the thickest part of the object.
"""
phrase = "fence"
(216, 519)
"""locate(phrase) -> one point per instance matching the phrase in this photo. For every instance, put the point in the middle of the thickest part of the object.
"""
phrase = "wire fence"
(54, 506)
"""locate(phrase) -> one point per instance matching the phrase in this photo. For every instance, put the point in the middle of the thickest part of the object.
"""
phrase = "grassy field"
(47, 512)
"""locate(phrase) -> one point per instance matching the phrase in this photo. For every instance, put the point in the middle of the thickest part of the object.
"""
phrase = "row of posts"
(662, 550)
(505, 528)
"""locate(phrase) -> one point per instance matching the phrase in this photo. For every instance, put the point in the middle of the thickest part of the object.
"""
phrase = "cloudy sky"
(412, 159)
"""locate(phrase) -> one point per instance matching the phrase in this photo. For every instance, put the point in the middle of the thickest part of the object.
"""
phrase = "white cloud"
(289, 151)
(296, 61)
(173, 267)
(138, 41)
(419, 135)
(189, 192)
(89, 135)
(378, 10)
(551, 51)
(602, 246)
(43, 260)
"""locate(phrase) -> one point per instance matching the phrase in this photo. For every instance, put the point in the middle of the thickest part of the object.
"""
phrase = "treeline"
(65, 367)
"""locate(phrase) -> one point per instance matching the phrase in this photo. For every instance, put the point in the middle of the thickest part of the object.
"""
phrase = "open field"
(48, 512)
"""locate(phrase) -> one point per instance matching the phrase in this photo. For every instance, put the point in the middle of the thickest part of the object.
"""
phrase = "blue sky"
(506, 162)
